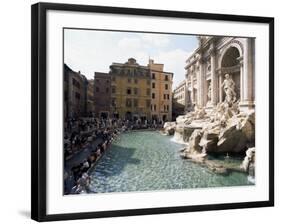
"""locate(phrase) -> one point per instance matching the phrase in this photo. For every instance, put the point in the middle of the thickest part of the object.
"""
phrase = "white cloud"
(174, 61)
(129, 43)
(92, 52)
(155, 40)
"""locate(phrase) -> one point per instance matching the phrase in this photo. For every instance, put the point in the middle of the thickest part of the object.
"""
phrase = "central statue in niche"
(229, 85)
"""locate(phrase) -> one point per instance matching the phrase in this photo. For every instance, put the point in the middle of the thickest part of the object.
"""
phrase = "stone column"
(192, 88)
(245, 73)
(198, 100)
(247, 100)
(214, 78)
(240, 59)
(185, 98)
(200, 83)
(220, 88)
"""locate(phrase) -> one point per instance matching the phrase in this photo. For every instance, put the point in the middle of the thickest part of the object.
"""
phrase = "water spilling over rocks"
(221, 130)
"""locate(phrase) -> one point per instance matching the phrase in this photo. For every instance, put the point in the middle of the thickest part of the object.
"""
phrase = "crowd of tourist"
(81, 133)
(80, 177)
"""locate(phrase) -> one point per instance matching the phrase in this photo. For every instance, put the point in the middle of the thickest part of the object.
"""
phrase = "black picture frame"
(39, 107)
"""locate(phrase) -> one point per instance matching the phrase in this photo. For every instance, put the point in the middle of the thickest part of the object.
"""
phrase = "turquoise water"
(146, 161)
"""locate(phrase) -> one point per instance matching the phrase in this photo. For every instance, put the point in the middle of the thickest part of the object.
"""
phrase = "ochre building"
(161, 92)
(140, 92)
(130, 90)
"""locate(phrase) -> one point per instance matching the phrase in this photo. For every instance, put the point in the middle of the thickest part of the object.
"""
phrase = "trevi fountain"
(223, 131)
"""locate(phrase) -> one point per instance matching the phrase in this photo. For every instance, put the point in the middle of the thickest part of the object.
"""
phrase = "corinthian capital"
(200, 59)
(212, 51)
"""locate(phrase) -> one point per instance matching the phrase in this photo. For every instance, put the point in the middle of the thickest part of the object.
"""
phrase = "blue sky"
(91, 51)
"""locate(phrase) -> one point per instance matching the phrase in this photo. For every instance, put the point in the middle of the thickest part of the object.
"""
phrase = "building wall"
(161, 92)
(90, 98)
(179, 93)
(75, 95)
(102, 94)
(128, 91)
(207, 66)
(130, 96)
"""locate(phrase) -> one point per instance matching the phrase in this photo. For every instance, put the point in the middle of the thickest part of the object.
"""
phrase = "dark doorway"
(116, 115)
(104, 115)
(154, 117)
(128, 116)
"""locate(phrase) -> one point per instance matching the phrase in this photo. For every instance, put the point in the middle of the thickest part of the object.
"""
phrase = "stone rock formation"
(194, 140)
(231, 131)
(238, 134)
(222, 130)
(169, 128)
(209, 140)
(248, 164)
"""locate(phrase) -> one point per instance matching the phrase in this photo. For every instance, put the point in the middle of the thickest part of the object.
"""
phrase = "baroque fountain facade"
(220, 114)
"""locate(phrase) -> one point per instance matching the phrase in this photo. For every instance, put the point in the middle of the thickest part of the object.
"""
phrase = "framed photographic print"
(140, 111)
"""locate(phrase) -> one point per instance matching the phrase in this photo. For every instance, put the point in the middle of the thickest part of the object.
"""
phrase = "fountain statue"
(229, 85)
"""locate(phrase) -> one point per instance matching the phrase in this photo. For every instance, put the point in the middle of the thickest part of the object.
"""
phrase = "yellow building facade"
(130, 91)
(161, 92)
